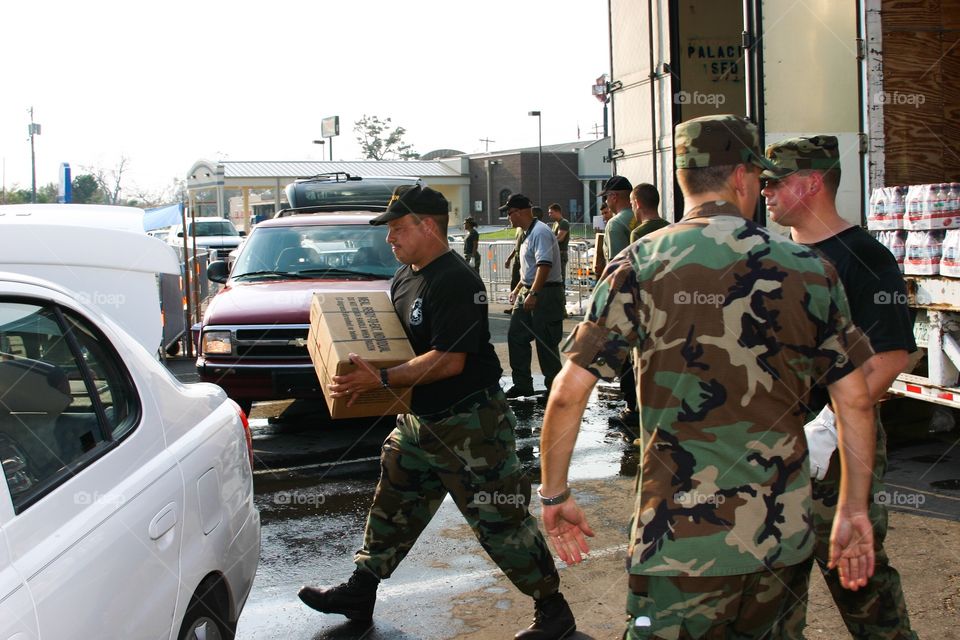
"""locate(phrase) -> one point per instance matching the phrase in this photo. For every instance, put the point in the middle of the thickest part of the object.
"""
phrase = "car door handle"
(163, 521)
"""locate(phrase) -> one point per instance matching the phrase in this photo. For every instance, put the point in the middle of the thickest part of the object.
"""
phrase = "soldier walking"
(458, 438)
(801, 194)
(729, 325)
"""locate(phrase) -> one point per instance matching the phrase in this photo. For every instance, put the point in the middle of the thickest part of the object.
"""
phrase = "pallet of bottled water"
(920, 225)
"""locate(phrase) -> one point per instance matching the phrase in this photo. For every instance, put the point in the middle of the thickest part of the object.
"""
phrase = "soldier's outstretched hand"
(851, 548)
(566, 526)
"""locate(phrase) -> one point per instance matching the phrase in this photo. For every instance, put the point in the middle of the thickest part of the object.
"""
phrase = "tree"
(379, 141)
(85, 190)
(109, 181)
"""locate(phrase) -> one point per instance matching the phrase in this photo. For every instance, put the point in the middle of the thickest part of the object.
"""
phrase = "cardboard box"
(599, 260)
(364, 323)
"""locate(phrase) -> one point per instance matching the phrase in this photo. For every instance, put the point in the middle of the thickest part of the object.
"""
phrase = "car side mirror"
(243, 234)
(179, 234)
(217, 271)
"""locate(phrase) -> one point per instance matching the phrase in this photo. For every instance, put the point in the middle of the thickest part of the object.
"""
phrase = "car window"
(215, 228)
(312, 249)
(64, 397)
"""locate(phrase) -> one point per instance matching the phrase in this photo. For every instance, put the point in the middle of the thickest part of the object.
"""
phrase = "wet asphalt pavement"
(314, 484)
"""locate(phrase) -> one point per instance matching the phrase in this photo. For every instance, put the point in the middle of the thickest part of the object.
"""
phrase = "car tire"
(204, 623)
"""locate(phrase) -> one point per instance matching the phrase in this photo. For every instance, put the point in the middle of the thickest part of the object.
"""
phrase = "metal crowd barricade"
(580, 278)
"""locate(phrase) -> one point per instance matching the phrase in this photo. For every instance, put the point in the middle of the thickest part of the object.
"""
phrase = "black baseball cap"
(413, 199)
(616, 183)
(517, 201)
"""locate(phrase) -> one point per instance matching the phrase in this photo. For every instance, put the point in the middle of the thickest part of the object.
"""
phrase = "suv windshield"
(214, 228)
(314, 250)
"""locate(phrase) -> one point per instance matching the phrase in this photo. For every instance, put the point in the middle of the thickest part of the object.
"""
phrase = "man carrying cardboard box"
(458, 437)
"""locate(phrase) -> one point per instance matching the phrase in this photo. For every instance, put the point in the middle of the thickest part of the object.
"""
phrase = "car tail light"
(246, 432)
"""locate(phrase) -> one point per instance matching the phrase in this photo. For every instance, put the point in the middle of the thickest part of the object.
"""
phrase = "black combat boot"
(552, 620)
(354, 598)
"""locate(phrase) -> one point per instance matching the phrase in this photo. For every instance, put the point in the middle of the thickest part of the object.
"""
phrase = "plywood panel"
(912, 107)
(910, 14)
(950, 10)
(950, 83)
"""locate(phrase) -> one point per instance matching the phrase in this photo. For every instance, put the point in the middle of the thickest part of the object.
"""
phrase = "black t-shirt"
(470, 242)
(875, 289)
(444, 307)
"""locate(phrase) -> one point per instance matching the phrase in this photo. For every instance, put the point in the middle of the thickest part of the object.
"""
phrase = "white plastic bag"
(821, 441)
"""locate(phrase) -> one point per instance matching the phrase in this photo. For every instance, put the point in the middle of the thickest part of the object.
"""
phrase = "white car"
(126, 506)
(216, 235)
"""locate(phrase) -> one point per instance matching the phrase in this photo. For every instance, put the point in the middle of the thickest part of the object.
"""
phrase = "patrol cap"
(820, 153)
(711, 141)
(517, 201)
(616, 183)
(413, 199)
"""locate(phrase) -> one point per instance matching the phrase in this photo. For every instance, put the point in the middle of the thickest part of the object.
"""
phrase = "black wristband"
(383, 378)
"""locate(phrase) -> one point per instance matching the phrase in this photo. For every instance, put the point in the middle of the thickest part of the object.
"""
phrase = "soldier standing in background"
(561, 229)
(616, 233)
(645, 203)
(729, 324)
(801, 194)
(458, 437)
(471, 244)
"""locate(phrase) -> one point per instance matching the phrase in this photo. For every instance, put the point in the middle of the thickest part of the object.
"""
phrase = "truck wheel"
(203, 623)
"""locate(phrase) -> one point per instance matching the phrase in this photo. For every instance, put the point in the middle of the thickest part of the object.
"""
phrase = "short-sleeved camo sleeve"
(602, 343)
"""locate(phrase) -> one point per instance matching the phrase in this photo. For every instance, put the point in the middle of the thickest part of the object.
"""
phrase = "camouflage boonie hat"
(800, 154)
(712, 141)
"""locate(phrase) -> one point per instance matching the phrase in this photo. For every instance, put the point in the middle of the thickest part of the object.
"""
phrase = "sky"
(166, 84)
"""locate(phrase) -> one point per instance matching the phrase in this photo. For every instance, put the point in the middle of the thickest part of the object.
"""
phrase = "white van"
(99, 252)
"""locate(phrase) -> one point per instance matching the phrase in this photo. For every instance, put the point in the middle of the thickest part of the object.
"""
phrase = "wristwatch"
(383, 378)
(554, 500)
(532, 293)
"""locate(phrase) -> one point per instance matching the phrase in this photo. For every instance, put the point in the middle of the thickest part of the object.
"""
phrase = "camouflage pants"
(741, 607)
(877, 611)
(472, 456)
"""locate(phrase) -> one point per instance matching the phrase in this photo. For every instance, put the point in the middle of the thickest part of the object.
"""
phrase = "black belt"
(546, 285)
(465, 405)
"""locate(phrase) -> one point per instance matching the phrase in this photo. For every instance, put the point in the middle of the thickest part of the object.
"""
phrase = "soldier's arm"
(851, 541)
(564, 523)
(429, 367)
(882, 369)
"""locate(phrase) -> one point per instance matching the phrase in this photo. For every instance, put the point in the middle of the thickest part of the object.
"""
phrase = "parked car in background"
(99, 252)
(253, 338)
(126, 507)
(216, 235)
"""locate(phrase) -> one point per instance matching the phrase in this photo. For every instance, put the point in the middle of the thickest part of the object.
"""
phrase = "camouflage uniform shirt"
(730, 325)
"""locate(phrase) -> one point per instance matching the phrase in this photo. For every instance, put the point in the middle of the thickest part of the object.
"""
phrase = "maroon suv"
(253, 340)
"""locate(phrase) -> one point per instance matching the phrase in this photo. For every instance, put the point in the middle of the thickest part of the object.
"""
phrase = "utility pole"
(487, 141)
(34, 131)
